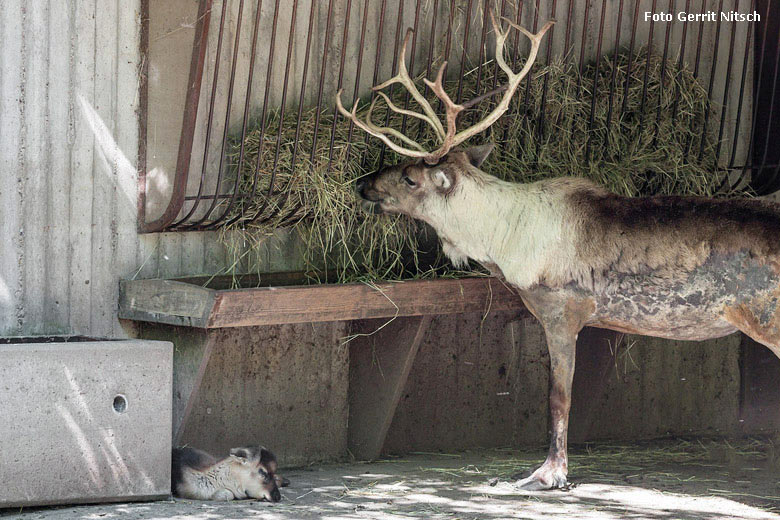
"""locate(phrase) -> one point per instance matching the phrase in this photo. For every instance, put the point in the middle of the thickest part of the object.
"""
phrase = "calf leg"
(223, 495)
(552, 474)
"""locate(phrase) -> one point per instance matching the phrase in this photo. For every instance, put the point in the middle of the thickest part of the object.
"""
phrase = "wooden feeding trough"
(191, 312)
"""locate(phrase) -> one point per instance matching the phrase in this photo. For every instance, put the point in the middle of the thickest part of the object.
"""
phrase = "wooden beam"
(189, 374)
(380, 363)
(165, 301)
(178, 303)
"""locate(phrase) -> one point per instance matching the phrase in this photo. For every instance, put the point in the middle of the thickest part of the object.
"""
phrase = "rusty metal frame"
(197, 65)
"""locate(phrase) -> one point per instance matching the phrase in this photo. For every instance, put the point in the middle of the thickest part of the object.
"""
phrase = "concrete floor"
(662, 480)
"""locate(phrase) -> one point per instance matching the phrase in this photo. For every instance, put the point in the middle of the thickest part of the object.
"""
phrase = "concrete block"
(84, 421)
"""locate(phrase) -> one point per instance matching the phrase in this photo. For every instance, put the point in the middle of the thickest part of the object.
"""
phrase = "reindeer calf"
(248, 472)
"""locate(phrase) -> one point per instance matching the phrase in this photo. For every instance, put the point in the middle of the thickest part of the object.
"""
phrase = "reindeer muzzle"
(360, 187)
(371, 207)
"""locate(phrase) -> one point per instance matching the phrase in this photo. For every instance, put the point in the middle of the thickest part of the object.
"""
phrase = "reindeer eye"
(409, 181)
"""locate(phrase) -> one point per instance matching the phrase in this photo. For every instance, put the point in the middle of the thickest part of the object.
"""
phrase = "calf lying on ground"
(248, 472)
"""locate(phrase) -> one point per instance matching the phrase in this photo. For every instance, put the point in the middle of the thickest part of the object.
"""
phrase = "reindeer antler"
(450, 138)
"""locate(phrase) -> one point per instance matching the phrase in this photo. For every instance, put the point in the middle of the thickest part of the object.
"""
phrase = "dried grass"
(650, 147)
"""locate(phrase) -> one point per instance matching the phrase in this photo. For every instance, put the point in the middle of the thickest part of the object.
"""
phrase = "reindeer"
(248, 472)
(686, 268)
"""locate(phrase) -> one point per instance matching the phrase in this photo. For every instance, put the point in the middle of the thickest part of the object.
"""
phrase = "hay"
(701, 459)
(646, 148)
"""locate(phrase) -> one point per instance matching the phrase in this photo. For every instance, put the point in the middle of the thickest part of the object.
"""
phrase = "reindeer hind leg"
(759, 319)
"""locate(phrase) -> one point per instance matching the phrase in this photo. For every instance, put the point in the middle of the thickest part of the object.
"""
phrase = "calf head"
(414, 188)
(255, 468)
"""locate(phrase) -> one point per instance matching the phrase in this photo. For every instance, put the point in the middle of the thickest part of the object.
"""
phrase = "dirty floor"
(674, 479)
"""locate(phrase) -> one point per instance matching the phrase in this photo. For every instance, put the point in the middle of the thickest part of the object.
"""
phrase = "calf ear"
(266, 456)
(478, 154)
(444, 181)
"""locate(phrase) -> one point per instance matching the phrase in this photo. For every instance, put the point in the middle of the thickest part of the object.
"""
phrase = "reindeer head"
(404, 188)
(413, 186)
(255, 468)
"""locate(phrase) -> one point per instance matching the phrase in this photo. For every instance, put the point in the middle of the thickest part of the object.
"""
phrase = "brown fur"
(249, 472)
(668, 235)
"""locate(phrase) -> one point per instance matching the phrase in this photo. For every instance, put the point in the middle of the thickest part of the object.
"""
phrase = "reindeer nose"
(276, 496)
(360, 185)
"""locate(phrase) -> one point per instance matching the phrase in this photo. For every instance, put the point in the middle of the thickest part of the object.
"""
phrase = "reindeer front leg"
(552, 474)
(563, 314)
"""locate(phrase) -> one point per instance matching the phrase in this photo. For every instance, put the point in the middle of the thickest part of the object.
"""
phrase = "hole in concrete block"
(120, 404)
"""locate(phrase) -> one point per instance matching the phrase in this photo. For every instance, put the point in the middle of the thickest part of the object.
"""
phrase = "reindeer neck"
(476, 216)
(506, 224)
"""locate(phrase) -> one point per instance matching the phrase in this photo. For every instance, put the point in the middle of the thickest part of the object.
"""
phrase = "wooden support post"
(188, 376)
(192, 350)
(380, 363)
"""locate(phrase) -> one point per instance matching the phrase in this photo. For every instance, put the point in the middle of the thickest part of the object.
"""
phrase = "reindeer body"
(688, 268)
(248, 472)
(674, 267)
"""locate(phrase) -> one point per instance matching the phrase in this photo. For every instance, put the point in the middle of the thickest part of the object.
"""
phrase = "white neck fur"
(514, 226)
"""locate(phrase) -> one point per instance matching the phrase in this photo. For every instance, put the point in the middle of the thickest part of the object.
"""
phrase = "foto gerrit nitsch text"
(707, 16)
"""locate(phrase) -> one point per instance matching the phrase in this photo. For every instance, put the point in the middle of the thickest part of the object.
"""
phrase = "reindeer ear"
(444, 181)
(478, 154)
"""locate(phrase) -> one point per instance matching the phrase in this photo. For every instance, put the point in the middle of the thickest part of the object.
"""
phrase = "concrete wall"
(477, 381)
(69, 102)
(485, 383)
(68, 145)
(284, 386)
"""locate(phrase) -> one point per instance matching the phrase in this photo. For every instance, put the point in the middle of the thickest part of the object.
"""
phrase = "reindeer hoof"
(546, 477)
